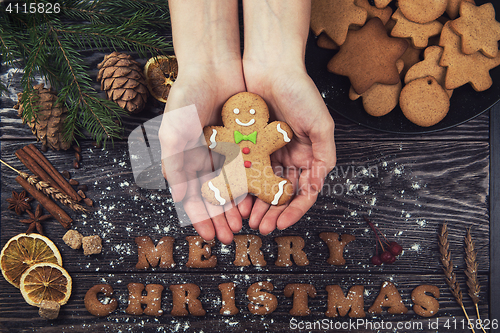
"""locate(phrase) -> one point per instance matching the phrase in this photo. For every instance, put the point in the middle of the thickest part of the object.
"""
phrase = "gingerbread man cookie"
(247, 141)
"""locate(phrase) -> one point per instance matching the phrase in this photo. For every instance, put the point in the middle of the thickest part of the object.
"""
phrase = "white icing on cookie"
(216, 193)
(236, 111)
(252, 111)
(278, 195)
(285, 135)
(251, 122)
(212, 139)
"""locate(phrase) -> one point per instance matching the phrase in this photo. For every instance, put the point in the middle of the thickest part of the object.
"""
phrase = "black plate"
(465, 102)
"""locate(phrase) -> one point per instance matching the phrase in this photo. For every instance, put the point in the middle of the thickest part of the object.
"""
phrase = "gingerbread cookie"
(301, 293)
(419, 33)
(384, 14)
(380, 99)
(425, 305)
(429, 67)
(478, 28)
(369, 56)
(422, 11)
(326, 42)
(410, 58)
(336, 246)
(454, 6)
(424, 102)
(185, 300)
(247, 140)
(261, 302)
(247, 251)
(96, 307)
(228, 299)
(389, 298)
(291, 246)
(334, 17)
(338, 304)
(464, 68)
(382, 3)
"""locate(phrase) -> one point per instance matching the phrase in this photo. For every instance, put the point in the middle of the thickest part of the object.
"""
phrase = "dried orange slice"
(45, 282)
(160, 73)
(23, 251)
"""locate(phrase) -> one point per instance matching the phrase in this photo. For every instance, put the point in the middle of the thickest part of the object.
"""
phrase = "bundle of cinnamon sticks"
(38, 164)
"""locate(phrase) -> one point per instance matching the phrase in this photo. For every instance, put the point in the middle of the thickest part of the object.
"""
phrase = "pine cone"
(48, 119)
(122, 79)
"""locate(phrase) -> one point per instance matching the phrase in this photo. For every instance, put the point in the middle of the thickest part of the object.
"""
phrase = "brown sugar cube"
(91, 245)
(73, 239)
(49, 309)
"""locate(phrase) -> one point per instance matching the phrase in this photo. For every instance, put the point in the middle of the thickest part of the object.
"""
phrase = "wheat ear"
(451, 279)
(471, 272)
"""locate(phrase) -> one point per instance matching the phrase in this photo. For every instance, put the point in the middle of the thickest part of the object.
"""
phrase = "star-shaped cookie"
(418, 32)
(478, 28)
(334, 18)
(368, 56)
(453, 7)
(464, 68)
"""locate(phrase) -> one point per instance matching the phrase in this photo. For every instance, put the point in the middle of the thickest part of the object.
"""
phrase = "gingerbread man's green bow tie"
(252, 137)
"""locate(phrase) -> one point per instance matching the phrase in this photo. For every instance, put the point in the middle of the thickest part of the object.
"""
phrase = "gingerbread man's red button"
(248, 164)
(245, 150)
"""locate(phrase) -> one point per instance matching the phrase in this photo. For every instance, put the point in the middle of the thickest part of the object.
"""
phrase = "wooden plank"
(475, 129)
(495, 214)
(18, 316)
(414, 189)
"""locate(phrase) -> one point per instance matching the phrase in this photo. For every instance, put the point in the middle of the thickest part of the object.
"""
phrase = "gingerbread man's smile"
(239, 122)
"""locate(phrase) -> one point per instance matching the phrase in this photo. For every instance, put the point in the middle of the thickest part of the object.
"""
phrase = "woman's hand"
(206, 42)
(273, 65)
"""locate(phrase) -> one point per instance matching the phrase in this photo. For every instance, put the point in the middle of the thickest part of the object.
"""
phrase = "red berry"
(386, 256)
(395, 248)
(376, 260)
(392, 260)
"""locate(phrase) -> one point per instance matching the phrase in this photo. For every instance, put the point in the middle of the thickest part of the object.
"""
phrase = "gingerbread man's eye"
(252, 111)
(236, 111)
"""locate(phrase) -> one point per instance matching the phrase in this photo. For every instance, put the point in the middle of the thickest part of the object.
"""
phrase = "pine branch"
(49, 44)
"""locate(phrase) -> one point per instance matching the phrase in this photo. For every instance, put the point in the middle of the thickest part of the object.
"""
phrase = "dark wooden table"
(415, 184)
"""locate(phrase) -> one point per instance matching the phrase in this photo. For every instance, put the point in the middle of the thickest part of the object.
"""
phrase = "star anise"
(19, 202)
(35, 220)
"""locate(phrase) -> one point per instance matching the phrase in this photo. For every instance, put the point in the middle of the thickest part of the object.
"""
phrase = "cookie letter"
(336, 246)
(388, 297)
(96, 307)
(288, 246)
(248, 246)
(338, 302)
(228, 305)
(152, 299)
(425, 305)
(200, 256)
(261, 303)
(300, 293)
(186, 294)
(149, 254)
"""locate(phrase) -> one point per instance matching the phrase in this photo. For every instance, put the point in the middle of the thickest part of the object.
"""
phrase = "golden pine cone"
(48, 119)
(123, 81)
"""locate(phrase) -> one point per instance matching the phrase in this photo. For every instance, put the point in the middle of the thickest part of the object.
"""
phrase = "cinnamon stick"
(49, 168)
(34, 167)
(47, 203)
